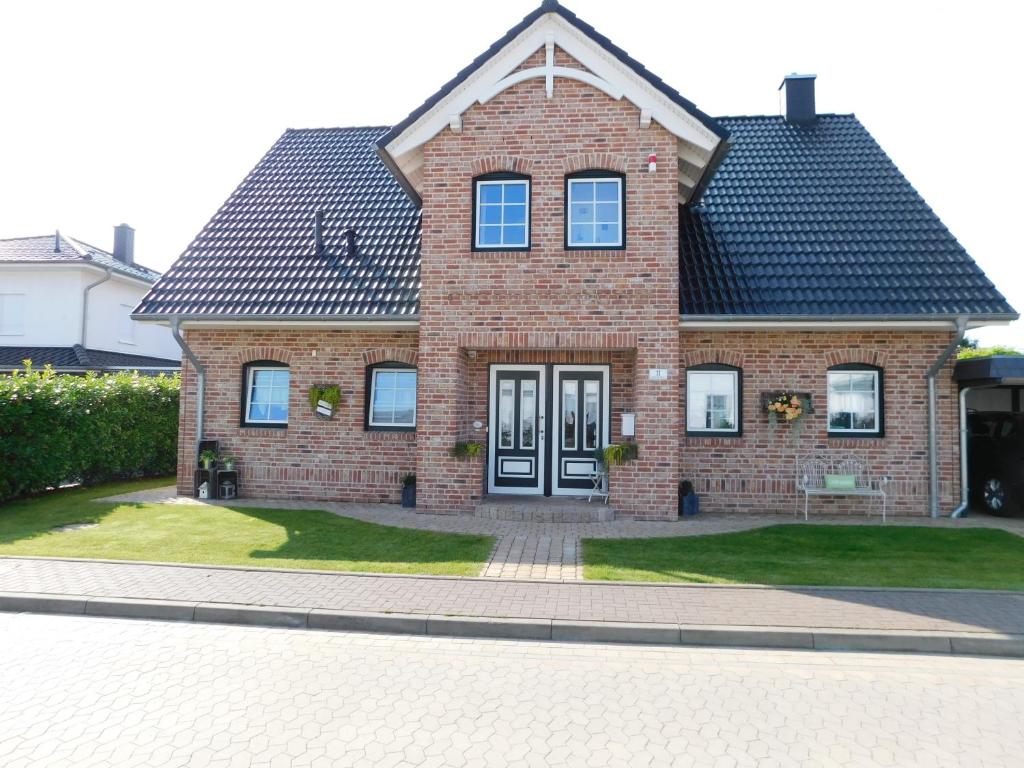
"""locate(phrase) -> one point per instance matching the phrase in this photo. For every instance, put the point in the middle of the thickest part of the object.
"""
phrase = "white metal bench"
(810, 479)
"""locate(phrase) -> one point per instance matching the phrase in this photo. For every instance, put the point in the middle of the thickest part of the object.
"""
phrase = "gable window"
(713, 403)
(266, 394)
(855, 400)
(595, 210)
(391, 400)
(501, 212)
(12, 314)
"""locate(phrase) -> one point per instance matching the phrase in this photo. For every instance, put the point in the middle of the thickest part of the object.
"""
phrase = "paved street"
(82, 691)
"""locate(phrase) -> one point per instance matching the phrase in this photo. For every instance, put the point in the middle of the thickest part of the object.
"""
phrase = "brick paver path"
(875, 609)
(82, 692)
(534, 550)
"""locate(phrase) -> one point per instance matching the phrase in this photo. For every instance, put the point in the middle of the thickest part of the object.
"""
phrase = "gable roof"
(816, 220)
(257, 256)
(802, 221)
(43, 249)
(702, 140)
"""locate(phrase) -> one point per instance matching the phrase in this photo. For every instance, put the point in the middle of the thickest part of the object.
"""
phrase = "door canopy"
(701, 141)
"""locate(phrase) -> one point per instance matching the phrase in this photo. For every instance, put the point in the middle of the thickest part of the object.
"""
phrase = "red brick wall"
(548, 298)
(312, 458)
(756, 471)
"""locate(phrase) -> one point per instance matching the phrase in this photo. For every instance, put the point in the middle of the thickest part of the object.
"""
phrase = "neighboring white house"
(68, 304)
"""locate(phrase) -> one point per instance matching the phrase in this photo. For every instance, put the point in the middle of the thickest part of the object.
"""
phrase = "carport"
(986, 384)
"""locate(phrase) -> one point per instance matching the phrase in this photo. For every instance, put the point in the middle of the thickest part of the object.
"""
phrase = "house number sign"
(657, 374)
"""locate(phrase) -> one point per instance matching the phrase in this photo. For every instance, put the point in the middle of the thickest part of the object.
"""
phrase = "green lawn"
(825, 555)
(226, 535)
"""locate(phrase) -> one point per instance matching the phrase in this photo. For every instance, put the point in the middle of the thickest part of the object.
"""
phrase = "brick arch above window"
(406, 355)
(604, 161)
(276, 354)
(495, 163)
(872, 357)
(706, 356)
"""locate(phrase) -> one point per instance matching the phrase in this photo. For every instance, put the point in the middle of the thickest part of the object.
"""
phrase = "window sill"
(249, 425)
(711, 433)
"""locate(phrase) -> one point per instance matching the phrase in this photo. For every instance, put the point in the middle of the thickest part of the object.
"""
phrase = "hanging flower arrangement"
(785, 405)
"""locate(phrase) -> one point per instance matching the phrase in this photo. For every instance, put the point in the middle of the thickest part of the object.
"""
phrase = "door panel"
(516, 430)
(581, 413)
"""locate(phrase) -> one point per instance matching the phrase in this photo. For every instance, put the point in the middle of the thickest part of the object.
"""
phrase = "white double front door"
(524, 455)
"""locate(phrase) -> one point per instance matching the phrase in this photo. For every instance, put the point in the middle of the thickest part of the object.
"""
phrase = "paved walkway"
(535, 550)
(862, 609)
(81, 692)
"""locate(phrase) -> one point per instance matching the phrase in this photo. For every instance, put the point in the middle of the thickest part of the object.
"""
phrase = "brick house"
(555, 252)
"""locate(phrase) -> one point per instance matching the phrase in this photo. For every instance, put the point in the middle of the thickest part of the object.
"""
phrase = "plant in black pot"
(409, 490)
(689, 501)
(208, 458)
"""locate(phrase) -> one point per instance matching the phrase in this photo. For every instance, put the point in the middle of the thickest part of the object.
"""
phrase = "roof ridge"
(764, 116)
(340, 128)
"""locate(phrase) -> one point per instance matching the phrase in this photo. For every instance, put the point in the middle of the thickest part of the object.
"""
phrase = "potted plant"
(325, 399)
(409, 490)
(229, 462)
(208, 458)
(467, 449)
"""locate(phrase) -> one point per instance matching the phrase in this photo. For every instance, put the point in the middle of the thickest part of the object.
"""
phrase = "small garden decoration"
(325, 399)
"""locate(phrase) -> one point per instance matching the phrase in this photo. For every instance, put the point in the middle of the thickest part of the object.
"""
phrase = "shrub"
(969, 353)
(56, 428)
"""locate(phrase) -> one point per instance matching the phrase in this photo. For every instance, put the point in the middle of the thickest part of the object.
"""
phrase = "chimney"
(124, 244)
(799, 98)
(56, 242)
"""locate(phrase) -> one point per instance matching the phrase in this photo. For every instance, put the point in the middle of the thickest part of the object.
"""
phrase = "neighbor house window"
(501, 215)
(266, 394)
(855, 400)
(126, 332)
(392, 397)
(713, 404)
(595, 210)
(12, 314)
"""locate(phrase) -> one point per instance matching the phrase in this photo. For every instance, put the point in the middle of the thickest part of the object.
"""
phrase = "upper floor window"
(595, 210)
(391, 400)
(126, 331)
(855, 400)
(266, 394)
(713, 403)
(501, 212)
(12, 314)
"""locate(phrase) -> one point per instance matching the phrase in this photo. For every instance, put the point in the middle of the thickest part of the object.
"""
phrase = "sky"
(152, 112)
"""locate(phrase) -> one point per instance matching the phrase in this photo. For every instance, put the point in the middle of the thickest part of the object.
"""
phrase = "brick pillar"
(443, 485)
(648, 487)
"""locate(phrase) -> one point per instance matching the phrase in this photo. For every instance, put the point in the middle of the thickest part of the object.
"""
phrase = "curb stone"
(794, 638)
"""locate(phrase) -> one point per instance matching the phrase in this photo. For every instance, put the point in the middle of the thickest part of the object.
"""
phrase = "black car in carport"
(996, 460)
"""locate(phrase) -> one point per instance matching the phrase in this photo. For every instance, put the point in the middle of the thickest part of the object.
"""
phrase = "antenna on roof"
(56, 242)
(318, 232)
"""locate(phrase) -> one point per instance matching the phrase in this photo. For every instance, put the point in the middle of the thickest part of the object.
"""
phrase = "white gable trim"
(604, 72)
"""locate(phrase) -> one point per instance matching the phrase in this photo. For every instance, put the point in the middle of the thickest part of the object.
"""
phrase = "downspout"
(85, 300)
(933, 430)
(961, 511)
(200, 378)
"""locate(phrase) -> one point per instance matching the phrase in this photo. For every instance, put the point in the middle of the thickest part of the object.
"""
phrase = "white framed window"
(854, 401)
(713, 400)
(502, 215)
(266, 395)
(392, 398)
(12, 314)
(126, 326)
(594, 212)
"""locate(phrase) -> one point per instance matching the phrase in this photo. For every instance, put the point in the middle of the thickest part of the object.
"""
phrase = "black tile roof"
(41, 248)
(79, 358)
(799, 220)
(257, 255)
(817, 220)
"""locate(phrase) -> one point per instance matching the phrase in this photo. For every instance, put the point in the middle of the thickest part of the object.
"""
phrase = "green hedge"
(56, 428)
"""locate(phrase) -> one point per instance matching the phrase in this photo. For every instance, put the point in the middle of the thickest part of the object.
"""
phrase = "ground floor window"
(266, 394)
(391, 397)
(855, 400)
(713, 400)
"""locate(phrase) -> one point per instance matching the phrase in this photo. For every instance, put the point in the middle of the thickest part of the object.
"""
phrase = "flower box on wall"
(805, 399)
